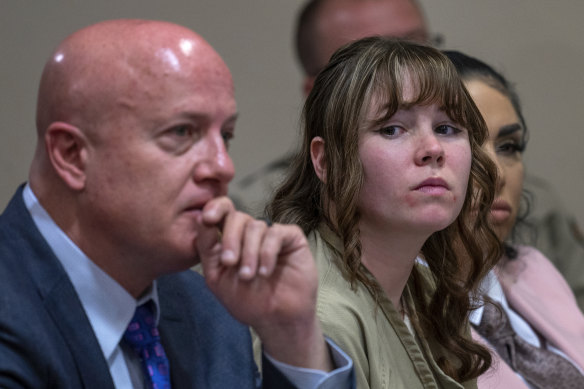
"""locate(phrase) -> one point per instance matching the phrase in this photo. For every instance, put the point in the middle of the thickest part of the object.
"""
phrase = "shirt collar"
(490, 287)
(108, 306)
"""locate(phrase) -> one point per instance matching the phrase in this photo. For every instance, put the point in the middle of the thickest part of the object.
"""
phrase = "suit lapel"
(180, 337)
(59, 296)
(206, 347)
(180, 344)
(65, 309)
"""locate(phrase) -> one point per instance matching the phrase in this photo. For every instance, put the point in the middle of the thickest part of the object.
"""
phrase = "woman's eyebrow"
(509, 129)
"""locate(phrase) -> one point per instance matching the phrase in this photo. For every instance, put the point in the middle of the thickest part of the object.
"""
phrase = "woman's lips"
(500, 211)
(433, 186)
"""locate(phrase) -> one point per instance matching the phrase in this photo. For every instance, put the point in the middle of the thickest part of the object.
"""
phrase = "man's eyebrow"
(193, 115)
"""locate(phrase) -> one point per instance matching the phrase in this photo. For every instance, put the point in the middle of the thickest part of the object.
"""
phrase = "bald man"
(126, 192)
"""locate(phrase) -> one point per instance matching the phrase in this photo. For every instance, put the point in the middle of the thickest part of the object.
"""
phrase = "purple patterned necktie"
(142, 336)
(540, 367)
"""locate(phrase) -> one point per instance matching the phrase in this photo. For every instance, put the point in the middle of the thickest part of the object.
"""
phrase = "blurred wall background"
(535, 43)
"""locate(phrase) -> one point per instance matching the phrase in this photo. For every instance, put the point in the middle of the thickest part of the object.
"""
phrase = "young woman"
(388, 169)
(533, 297)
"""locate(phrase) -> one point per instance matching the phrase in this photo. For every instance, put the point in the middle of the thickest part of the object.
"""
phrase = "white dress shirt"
(492, 288)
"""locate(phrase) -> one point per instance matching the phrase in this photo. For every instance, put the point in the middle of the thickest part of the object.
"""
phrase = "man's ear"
(307, 85)
(318, 157)
(66, 147)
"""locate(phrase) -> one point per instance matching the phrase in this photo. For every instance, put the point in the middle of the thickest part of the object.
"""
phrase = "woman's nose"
(430, 150)
(490, 150)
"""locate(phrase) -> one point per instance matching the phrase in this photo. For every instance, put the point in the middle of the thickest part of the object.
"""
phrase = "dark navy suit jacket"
(46, 340)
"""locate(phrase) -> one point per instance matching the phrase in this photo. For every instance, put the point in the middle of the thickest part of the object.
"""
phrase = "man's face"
(161, 155)
(344, 21)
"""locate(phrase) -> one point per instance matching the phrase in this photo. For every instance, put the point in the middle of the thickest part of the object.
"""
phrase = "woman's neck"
(390, 257)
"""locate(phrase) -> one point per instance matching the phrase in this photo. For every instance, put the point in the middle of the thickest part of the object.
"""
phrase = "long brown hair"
(335, 111)
(470, 69)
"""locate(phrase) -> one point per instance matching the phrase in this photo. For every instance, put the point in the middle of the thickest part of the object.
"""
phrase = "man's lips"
(433, 185)
(197, 205)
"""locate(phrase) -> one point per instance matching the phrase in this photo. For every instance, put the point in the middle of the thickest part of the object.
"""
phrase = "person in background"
(325, 25)
(538, 329)
(127, 191)
(389, 166)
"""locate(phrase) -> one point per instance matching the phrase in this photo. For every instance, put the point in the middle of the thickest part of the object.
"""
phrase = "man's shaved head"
(100, 66)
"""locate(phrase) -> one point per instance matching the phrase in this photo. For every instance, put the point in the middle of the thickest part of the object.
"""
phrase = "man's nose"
(216, 164)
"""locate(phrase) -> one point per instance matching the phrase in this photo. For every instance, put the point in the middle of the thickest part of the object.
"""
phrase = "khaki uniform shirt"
(385, 352)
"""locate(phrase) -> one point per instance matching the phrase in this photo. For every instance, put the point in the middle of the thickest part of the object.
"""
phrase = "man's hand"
(266, 277)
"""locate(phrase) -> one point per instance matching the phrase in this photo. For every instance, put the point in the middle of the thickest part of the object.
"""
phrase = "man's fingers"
(252, 241)
(230, 238)
(228, 223)
(279, 241)
(216, 210)
(209, 250)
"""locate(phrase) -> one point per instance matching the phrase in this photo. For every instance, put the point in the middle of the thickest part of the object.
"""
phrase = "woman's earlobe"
(318, 157)
(66, 146)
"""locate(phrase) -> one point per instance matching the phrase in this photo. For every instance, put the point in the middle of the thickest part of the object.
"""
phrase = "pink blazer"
(500, 375)
(538, 292)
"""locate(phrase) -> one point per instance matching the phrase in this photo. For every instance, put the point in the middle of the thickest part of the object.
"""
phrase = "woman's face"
(505, 146)
(416, 168)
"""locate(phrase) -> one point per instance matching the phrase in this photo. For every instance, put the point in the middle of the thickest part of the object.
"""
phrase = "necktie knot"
(495, 324)
(143, 337)
(142, 329)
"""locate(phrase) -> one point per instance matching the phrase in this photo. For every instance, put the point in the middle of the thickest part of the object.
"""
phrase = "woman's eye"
(510, 147)
(391, 130)
(446, 129)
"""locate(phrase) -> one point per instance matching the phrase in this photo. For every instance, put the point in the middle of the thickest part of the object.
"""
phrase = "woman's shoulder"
(533, 255)
(345, 310)
(334, 289)
(531, 267)
(528, 259)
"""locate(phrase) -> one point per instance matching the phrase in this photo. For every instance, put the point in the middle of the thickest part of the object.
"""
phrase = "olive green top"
(385, 351)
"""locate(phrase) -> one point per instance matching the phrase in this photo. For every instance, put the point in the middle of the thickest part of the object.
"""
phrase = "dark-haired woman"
(533, 321)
